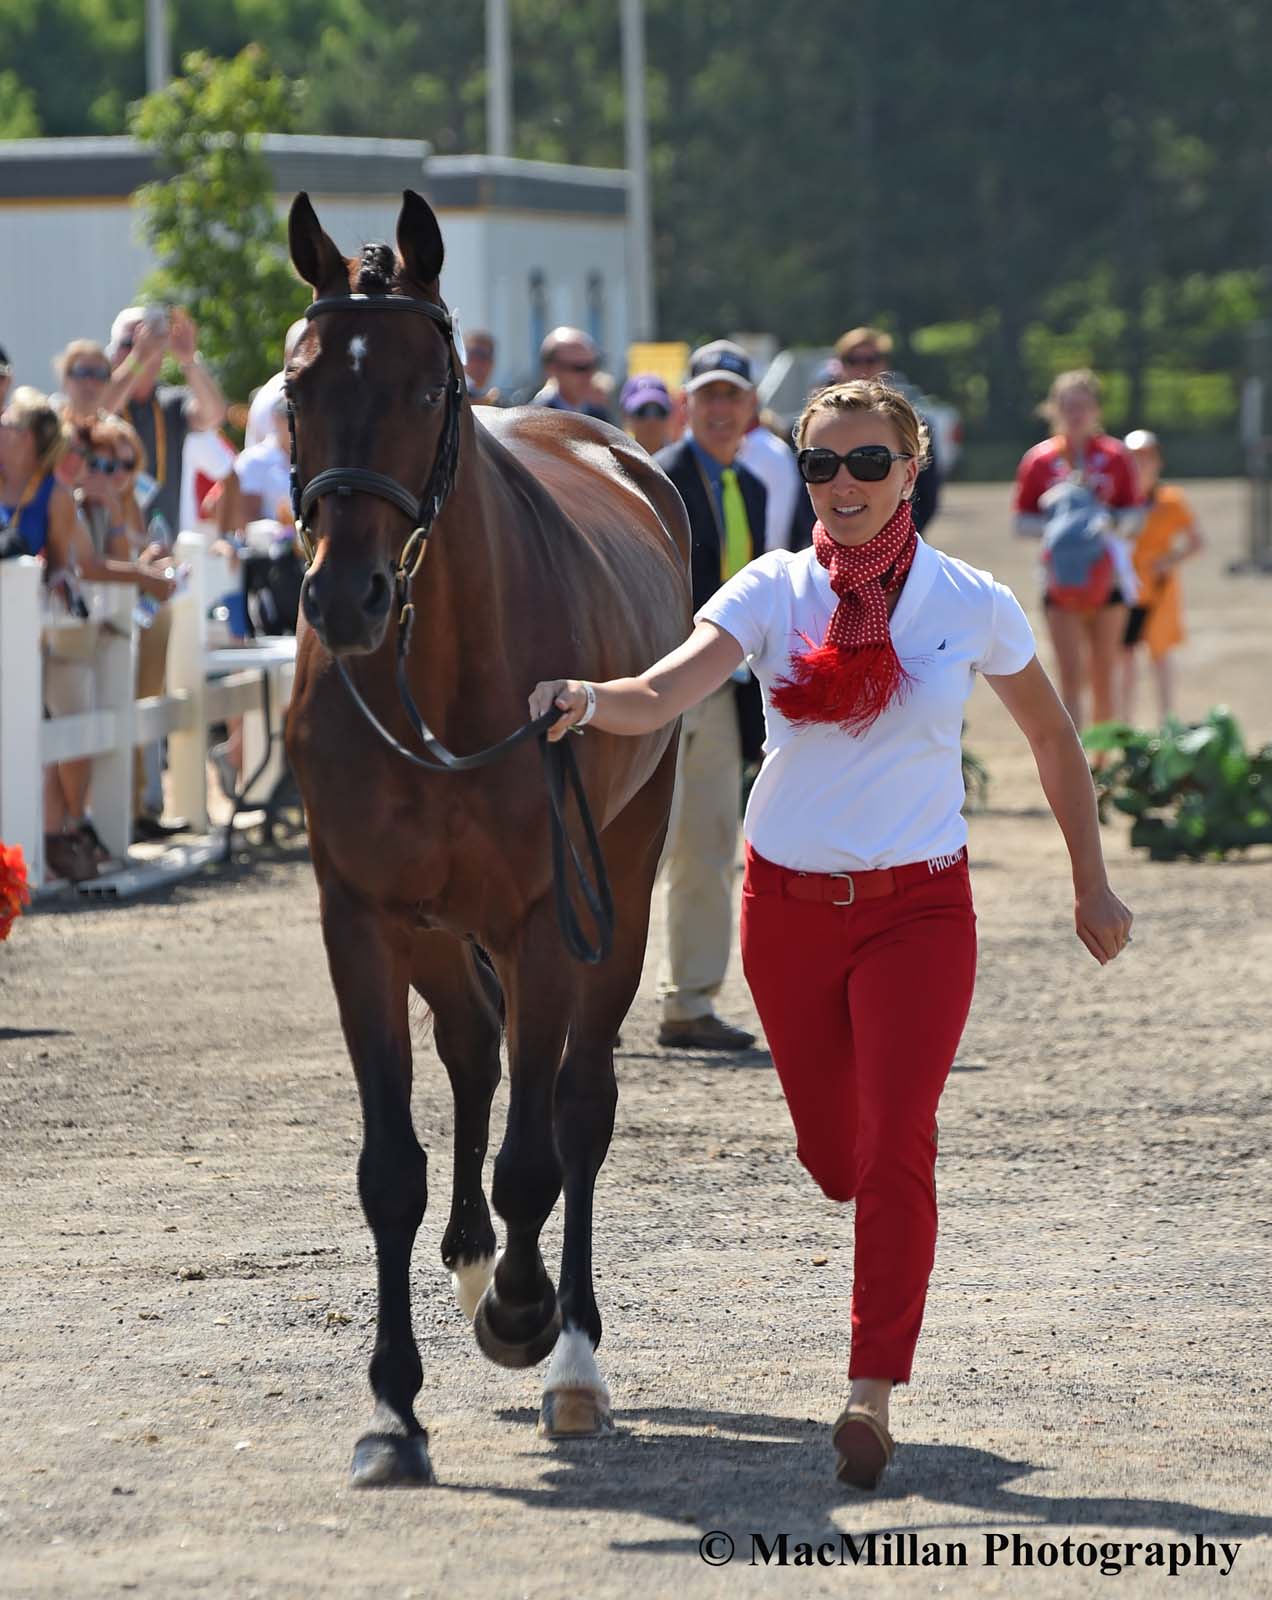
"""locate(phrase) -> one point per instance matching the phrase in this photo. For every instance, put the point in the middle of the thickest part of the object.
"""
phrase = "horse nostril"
(310, 602)
(376, 599)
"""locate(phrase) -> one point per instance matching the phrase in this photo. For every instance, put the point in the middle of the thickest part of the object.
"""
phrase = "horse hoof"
(509, 1352)
(391, 1461)
(574, 1414)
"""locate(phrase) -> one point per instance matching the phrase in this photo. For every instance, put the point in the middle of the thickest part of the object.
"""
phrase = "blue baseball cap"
(722, 361)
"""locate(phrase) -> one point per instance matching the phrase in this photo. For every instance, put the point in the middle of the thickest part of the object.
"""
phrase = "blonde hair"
(118, 430)
(871, 395)
(876, 336)
(28, 408)
(1065, 383)
(79, 347)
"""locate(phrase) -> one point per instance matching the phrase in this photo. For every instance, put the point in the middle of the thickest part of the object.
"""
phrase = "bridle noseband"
(560, 768)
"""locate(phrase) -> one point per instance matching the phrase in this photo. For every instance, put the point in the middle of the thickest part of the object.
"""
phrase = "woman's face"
(1078, 412)
(17, 449)
(853, 512)
(101, 478)
(84, 381)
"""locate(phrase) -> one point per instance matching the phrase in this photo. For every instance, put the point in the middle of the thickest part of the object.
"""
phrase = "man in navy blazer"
(702, 839)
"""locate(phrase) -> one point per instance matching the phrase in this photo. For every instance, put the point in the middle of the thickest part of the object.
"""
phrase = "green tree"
(210, 216)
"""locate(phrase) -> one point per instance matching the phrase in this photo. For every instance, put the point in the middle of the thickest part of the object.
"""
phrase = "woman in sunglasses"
(83, 372)
(856, 892)
(42, 513)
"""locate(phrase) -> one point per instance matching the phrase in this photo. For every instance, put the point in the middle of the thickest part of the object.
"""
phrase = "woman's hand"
(567, 695)
(155, 581)
(1103, 924)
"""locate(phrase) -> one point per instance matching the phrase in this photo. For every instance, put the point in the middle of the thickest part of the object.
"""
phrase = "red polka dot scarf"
(854, 675)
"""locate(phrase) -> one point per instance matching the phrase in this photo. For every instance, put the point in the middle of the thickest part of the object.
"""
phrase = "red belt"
(842, 888)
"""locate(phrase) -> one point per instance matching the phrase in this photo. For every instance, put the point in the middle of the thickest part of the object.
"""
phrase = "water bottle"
(146, 610)
(159, 531)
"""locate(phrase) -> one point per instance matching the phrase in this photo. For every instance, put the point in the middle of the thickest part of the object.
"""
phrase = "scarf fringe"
(848, 687)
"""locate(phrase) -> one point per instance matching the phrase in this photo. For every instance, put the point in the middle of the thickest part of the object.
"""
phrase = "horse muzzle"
(348, 608)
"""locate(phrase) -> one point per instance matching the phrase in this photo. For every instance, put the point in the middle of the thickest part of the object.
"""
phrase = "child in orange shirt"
(1168, 537)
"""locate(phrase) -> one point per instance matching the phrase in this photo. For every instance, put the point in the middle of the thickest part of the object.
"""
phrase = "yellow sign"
(666, 361)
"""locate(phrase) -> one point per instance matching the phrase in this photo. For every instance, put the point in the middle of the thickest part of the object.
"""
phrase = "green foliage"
(210, 218)
(1006, 196)
(1192, 791)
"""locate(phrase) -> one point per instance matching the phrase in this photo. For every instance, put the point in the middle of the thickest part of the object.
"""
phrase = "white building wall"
(66, 268)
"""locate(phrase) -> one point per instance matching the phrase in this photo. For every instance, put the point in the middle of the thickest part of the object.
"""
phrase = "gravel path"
(186, 1289)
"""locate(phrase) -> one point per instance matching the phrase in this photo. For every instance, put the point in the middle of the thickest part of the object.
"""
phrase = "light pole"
(498, 80)
(640, 251)
(158, 59)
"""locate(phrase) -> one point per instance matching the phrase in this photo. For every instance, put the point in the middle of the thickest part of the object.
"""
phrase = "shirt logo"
(942, 644)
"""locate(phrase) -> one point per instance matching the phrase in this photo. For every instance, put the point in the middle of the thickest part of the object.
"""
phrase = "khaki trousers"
(699, 859)
(152, 673)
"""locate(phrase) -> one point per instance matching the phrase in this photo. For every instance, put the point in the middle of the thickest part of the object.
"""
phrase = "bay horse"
(545, 544)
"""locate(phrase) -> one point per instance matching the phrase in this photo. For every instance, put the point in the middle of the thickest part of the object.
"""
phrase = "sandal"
(863, 1445)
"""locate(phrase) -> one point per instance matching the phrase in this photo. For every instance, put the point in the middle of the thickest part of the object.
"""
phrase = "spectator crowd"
(98, 476)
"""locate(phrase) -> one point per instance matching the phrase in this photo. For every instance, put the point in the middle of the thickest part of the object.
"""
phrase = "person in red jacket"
(1086, 621)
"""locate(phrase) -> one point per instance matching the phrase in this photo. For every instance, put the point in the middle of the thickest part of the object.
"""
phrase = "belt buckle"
(852, 888)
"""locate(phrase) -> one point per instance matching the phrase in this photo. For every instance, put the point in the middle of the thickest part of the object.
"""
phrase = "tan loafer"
(864, 1447)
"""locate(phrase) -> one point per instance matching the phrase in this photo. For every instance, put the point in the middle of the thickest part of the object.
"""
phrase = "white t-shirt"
(260, 414)
(264, 469)
(829, 801)
(774, 465)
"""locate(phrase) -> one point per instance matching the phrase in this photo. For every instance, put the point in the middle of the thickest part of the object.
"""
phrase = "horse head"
(375, 396)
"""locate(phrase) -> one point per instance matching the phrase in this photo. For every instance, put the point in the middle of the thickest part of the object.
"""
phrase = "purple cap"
(644, 389)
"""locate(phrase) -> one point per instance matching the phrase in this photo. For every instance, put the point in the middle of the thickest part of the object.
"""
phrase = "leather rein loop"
(561, 771)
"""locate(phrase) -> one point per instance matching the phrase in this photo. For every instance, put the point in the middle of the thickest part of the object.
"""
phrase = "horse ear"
(313, 254)
(419, 240)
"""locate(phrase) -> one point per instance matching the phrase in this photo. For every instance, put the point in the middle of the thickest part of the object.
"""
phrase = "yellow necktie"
(737, 530)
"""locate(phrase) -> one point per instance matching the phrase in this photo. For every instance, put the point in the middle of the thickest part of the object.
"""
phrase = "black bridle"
(560, 769)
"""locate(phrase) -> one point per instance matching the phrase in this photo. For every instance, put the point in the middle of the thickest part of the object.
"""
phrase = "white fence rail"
(202, 689)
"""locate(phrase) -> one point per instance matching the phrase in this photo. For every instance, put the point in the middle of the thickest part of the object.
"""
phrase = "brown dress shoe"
(69, 856)
(704, 1033)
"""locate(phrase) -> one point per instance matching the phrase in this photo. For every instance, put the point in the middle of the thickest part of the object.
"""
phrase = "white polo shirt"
(826, 800)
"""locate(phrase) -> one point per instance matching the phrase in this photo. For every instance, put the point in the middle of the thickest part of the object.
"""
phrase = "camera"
(156, 319)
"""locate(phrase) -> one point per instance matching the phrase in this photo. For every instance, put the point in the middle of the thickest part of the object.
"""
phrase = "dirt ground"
(186, 1285)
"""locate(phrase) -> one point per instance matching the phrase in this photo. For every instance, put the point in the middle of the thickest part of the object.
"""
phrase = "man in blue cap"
(726, 506)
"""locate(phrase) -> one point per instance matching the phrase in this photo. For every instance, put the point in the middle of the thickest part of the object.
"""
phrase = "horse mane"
(377, 270)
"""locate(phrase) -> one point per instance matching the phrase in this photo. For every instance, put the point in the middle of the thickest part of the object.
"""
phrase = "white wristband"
(590, 709)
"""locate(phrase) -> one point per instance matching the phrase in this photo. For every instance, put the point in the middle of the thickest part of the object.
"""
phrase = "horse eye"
(430, 397)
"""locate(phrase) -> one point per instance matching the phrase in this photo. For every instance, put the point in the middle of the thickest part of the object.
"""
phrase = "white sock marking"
(470, 1280)
(573, 1366)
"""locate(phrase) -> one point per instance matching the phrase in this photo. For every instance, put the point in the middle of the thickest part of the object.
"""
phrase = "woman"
(43, 514)
(1086, 619)
(83, 371)
(856, 864)
(1169, 537)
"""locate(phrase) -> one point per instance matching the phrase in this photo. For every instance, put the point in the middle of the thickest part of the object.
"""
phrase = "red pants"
(863, 1007)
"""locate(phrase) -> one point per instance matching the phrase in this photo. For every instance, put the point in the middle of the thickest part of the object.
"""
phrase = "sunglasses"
(650, 409)
(125, 463)
(577, 366)
(106, 465)
(98, 374)
(870, 358)
(868, 463)
(478, 352)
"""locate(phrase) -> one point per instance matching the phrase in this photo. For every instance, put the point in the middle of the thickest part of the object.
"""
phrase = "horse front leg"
(463, 995)
(369, 957)
(517, 1319)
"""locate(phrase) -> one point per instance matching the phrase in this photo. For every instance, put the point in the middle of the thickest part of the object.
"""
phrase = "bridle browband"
(560, 769)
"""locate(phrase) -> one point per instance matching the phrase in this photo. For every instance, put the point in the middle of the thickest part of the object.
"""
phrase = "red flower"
(14, 893)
